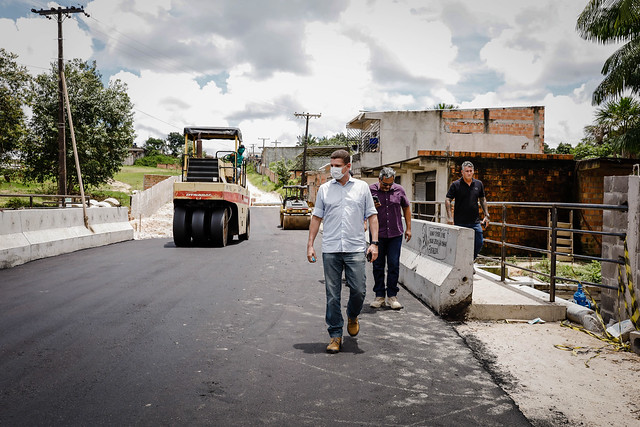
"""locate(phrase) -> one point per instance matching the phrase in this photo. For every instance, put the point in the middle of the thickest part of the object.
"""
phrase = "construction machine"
(295, 212)
(211, 204)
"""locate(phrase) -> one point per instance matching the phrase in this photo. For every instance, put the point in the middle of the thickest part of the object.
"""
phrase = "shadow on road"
(349, 345)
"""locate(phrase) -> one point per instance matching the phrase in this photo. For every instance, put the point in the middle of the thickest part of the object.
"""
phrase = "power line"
(62, 157)
(262, 161)
(306, 135)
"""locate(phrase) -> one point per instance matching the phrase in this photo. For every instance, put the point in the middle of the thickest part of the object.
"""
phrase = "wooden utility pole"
(276, 142)
(62, 149)
(262, 161)
(303, 180)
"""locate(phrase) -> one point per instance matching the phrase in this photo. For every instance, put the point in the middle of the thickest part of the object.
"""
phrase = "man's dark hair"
(342, 154)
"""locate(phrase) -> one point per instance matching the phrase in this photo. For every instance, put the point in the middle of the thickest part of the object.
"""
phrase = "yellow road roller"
(295, 212)
(211, 204)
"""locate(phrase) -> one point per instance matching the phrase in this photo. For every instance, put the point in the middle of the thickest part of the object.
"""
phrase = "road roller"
(211, 204)
(295, 212)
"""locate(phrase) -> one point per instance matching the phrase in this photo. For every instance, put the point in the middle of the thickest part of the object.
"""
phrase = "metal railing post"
(503, 248)
(552, 269)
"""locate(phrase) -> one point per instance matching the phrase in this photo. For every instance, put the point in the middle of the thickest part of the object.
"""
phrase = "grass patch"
(257, 180)
(584, 272)
(134, 175)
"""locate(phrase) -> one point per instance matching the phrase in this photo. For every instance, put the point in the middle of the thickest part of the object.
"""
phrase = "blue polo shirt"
(343, 210)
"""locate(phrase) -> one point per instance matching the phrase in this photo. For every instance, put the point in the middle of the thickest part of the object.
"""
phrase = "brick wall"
(519, 177)
(520, 121)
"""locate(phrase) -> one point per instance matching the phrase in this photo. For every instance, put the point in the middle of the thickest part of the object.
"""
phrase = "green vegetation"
(262, 183)
(131, 175)
(157, 159)
(618, 120)
(102, 122)
(584, 272)
(282, 169)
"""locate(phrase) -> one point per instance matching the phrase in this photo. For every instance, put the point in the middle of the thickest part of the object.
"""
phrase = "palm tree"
(444, 106)
(614, 21)
(617, 123)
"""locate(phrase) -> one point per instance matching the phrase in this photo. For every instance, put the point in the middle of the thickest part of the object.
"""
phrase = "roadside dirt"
(557, 375)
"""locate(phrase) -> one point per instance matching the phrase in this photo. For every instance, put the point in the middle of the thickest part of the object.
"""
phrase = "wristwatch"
(375, 242)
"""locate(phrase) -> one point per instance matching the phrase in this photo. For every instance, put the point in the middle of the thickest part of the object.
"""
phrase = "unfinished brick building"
(427, 148)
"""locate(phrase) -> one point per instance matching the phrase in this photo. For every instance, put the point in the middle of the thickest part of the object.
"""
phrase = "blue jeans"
(353, 264)
(389, 249)
(478, 240)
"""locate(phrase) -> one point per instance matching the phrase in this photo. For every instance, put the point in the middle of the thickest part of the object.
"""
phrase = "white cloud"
(35, 40)
(223, 63)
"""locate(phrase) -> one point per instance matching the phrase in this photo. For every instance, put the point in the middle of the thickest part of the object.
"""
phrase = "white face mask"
(336, 172)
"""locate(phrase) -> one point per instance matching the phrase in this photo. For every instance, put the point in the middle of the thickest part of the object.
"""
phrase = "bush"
(156, 159)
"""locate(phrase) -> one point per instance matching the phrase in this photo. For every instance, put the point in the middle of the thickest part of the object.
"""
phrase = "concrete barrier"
(146, 203)
(437, 266)
(27, 235)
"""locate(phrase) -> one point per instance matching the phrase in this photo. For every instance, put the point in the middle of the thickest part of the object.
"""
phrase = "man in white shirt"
(343, 204)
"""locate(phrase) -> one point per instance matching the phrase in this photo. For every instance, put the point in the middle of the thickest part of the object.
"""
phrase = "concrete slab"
(493, 300)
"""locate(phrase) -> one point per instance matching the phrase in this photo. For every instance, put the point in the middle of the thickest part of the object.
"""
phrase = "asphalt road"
(144, 333)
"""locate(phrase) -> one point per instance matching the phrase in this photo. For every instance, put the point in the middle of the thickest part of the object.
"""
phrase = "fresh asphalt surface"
(144, 333)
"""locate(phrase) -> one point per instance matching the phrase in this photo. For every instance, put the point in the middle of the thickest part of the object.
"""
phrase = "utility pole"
(276, 142)
(62, 149)
(262, 161)
(303, 180)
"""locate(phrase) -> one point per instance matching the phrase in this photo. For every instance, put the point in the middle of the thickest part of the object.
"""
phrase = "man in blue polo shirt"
(467, 192)
(343, 204)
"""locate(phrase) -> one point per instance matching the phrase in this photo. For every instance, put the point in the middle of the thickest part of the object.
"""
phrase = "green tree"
(102, 120)
(282, 170)
(588, 150)
(312, 140)
(339, 139)
(14, 81)
(617, 123)
(564, 148)
(175, 144)
(444, 106)
(614, 21)
(153, 146)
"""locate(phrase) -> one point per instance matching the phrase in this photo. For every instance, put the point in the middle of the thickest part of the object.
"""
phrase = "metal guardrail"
(432, 211)
(61, 200)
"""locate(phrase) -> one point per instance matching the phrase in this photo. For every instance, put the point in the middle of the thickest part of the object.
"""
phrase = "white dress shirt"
(343, 210)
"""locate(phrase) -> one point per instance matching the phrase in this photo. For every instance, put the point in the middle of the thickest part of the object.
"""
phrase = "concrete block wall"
(151, 180)
(620, 190)
(26, 235)
(147, 202)
(437, 266)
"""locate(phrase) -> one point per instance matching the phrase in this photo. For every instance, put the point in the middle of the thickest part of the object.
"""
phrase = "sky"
(253, 64)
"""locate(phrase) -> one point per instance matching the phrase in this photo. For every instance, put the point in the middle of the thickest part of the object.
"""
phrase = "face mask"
(336, 173)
